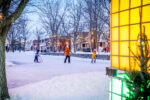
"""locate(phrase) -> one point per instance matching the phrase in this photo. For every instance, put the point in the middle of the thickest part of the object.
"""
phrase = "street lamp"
(1, 16)
(92, 32)
(58, 43)
(92, 40)
(66, 42)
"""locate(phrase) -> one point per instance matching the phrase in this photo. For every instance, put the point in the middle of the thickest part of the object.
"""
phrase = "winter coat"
(107, 49)
(67, 52)
(94, 54)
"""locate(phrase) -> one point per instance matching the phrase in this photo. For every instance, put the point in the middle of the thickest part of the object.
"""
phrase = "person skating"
(36, 57)
(107, 49)
(94, 56)
(67, 54)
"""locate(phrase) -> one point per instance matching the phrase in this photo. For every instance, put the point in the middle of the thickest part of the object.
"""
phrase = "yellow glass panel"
(115, 5)
(146, 2)
(115, 33)
(124, 4)
(114, 48)
(147, 30)
(115, 63)
(134, 31)
(135, 3)
(135, 16)
(124, 63)
(124, 48)
(124, 18)
(146, 14)
(124, 33)
(134, 64)
(149, 45)
(114, 20)
(133, 48)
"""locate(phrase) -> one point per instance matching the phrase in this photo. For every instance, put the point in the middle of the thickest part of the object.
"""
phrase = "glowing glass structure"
(124, 28)
(118, 89)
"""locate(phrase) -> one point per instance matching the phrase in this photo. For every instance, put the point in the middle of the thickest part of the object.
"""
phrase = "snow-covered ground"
(54, 80)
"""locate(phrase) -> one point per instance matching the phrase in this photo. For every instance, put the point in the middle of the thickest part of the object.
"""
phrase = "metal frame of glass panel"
(118, 87)
(130, 11)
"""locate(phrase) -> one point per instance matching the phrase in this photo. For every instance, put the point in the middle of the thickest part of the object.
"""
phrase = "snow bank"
(87, 86)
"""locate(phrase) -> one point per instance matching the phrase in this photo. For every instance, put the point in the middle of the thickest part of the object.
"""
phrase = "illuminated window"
(147, 30)
(135, 3)
(124, 63)
(134, 31)
(115, 33)
(115, 62)
(146, 14)
(114, 21)
(133, 48)
(115, 48)
(135, 16)
(115, 5)
(146, 2)
(124, 18)
(124, 48)
(124, 5)
(124, 33)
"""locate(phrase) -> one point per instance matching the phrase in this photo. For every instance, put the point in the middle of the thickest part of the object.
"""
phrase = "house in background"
(58, 43)
(102, 43)
(82, 42)
(28, 45)
(35, 45)
(48, 45)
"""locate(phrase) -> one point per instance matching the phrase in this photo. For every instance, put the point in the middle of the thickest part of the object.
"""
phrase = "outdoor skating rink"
(54, 80)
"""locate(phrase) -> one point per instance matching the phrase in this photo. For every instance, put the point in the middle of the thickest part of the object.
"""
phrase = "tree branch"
(8, 20)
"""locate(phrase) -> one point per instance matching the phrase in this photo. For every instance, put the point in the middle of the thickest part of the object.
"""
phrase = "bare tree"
(76, 17)
(10, 11)
(38, 34)
(18, 33)
(106, 8)
(12, 36)
(66, 27)
(52, 16)
(24, 31)
(96, 13)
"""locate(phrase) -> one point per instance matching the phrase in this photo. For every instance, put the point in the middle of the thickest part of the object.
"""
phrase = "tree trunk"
(74, 46)
(3, 82)
(24, 46)
(12, 45)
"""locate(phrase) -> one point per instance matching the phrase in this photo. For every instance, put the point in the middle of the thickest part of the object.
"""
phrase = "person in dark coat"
(36, 57)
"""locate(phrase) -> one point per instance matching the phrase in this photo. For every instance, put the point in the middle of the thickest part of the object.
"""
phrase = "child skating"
(94, 56)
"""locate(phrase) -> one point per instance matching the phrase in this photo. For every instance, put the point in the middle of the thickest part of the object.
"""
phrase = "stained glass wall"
(124, 28)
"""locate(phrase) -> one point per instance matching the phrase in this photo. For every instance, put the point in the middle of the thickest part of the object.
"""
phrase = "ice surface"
(54, 80)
